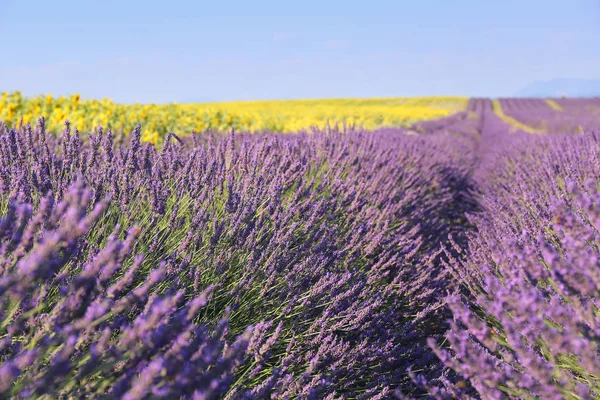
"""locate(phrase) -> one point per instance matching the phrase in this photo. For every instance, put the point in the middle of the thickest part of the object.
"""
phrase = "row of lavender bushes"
(573, 115)
(273, 266)
(526, 322)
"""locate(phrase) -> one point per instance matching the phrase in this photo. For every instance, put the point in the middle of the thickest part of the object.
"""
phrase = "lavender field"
(458, 258)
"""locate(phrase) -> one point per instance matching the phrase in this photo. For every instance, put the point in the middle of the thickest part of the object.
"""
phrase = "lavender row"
(525, 324)
(555, 115)
(240, 267)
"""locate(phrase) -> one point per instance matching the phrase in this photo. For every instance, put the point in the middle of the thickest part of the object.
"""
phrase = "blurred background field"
(255, 116)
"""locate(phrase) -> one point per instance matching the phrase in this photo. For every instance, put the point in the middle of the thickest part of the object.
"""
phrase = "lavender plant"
(300, 266)
(529, 326)
(80, 325)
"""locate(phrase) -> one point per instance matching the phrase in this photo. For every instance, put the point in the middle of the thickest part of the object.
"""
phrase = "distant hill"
(562, 87)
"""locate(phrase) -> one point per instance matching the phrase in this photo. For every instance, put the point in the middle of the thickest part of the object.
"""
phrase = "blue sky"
(163, 51)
